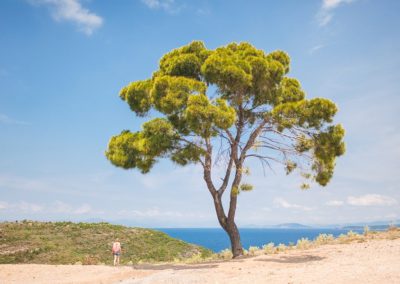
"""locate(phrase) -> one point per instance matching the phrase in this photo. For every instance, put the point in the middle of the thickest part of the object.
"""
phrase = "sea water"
(216, 239)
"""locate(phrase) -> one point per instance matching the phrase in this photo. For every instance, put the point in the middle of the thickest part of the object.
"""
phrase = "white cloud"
(151, 212)
(325, 14)
(64, 208)
(280, 202)
(22, 206)
(72, 11)
(335, 203)
(8, 120)
(315, 48)
(84, 209)
(166, 5)
(4, 205)
(29, 207)
(58, 207)
(371, 200)
(157, 213)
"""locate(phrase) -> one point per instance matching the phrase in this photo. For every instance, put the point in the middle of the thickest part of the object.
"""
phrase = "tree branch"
(207, 168)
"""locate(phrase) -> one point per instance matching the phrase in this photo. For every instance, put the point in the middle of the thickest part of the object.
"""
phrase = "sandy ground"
(373, 261)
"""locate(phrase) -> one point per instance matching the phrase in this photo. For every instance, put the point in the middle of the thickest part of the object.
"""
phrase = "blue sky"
(63, 62)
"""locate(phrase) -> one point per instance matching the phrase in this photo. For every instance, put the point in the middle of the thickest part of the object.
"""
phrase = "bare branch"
(227, 175)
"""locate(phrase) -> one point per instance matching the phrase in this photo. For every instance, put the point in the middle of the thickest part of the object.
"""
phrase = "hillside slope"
(87, 243)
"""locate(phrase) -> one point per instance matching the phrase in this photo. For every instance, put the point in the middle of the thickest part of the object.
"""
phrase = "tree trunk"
(229, 227)
(234, 236)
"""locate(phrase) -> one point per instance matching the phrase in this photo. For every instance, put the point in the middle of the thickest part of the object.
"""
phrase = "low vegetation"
(89, 243)
(322, 239)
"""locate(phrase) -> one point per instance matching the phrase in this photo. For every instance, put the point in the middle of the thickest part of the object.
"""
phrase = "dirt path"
(374, 261)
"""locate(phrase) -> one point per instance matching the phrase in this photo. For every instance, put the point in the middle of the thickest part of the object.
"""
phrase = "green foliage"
(305, 186)
(137, 96)
(251, 88)
(204, 117)
(88, 243)
(327, 146)
(290, 166)
(170, 94)
(304, 113)
(187, 154)
(246, 187)
(235, 191)
(185, 61)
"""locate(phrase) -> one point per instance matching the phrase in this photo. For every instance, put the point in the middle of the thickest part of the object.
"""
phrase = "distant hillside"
(371, 227)
(87, 243)
(291, 226)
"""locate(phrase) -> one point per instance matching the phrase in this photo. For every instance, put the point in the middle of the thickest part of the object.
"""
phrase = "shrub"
(269, 248)
(324, 239)
(366, 230)
(342, 238)
(195, 258)
(90, 260)
(348, 238)
(303, 243)
(253, 250)
(281, 248)
(225, 254)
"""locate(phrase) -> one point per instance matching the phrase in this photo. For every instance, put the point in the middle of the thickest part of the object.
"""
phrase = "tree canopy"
(249, 83)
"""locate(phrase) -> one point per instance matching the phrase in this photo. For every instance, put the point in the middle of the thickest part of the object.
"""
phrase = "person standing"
(116, 251)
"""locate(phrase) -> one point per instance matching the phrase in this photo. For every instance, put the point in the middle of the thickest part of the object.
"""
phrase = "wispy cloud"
(3, 205)
(22, 206)
(72, 11)
(335, 203)
(57, 207)
(315, 48)
(169, 6)
(65, 208)
(4, 119)
(326, 12)
(371, 200)
(282, 203)
(156, 213)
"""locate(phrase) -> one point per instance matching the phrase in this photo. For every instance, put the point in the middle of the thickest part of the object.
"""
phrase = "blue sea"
(216, 239)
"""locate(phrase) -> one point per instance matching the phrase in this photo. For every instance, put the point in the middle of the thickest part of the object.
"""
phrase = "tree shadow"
(293, 259)
(173, 266)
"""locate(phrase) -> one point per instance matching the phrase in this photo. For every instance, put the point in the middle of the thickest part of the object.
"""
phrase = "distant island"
(377, 225)
(291, 226)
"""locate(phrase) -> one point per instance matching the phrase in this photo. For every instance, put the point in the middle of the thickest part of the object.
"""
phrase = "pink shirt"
(116, 247)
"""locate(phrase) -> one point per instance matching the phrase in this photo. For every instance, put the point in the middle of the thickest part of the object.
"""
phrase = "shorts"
(117, 253)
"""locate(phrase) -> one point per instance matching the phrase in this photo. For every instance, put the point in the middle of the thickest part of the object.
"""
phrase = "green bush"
(324, 239)
(225, 254)
(269, 248)
(303, 243)
(254, 250)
